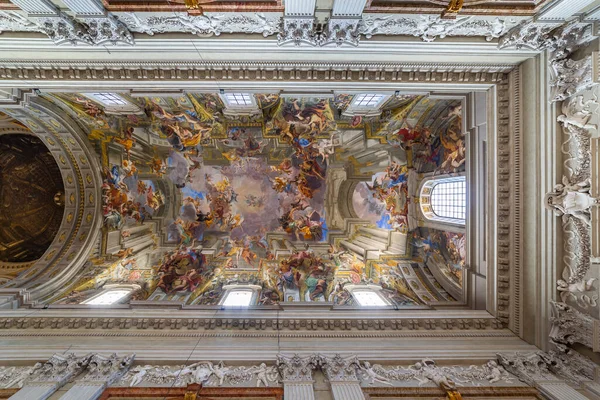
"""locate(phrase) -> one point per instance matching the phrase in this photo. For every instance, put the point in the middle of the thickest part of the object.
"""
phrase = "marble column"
(45, 379)
(341, 373)
(297, 373)
(100, 372)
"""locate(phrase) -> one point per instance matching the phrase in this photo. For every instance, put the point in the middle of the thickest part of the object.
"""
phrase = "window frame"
(126, 108)
(255, 289)
(375, 289)
(112, 288)
(426, 191)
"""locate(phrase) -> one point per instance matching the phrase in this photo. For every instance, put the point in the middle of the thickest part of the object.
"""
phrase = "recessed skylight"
(367, 100)
(109, 297)
(368, 298)
(238, 298)
(109, 99)
(448, 199)
(239, 99)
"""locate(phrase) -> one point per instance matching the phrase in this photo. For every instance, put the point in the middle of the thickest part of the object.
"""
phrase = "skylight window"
(239, 99)
(109, 99)
(368, 298)
(368, 100)
(238, 298)
(108, 297)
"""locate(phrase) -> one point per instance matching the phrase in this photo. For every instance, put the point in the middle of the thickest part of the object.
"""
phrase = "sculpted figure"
(373, 376)
(571, 199)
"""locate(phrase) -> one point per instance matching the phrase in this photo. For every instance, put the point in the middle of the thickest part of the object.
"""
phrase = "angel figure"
(140, 373)
(373, 376)
(220, 371)
(495, 374)
(264, 374)
(572, 199)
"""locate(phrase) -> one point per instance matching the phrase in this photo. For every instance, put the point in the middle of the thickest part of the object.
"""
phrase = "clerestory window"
(445, 200)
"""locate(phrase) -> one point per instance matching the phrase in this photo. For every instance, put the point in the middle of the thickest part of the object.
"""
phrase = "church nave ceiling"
(203, 191)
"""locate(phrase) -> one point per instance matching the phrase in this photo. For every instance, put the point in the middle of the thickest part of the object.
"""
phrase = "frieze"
(202, 25)
(203, 372)
(430, 28)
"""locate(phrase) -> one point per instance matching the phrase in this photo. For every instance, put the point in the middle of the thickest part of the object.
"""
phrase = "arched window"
(445, 200)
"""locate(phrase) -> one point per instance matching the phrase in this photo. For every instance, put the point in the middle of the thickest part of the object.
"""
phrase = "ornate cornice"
(329, 327)
(83, 71)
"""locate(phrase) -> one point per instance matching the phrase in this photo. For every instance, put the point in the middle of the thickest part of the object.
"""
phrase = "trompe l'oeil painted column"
(297, 373)
(45, 379)
(341, 373)
(101, 372)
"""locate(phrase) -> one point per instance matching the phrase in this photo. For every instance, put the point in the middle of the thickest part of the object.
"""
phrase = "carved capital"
(565, 364)
(528, 367)
(107, 369)
(571, 326)
(298, 30)
(58, 370)
(340, 31)
(295, 368)
(338, 368)
(569, 77)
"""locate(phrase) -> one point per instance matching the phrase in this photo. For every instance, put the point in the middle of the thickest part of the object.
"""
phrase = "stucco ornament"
(298, 30)
(574, 200)
(106, 369)
(338, 368)
(430, 28)
(202, 25)
(569, 326)
(59, 369)
(296, 368)
(203, 372)
(571, 200)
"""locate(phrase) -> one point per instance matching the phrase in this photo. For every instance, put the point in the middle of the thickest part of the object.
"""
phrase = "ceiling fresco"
(199, 194)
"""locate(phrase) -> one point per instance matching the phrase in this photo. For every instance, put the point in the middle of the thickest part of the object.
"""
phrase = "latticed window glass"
(239, 99)
(445, 200)
(368, 100)
(448, 199)
(110, 99)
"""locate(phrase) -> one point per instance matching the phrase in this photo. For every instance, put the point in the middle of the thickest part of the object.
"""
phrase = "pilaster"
(341, 373)
(45, 379)
(101, 372)
(297, 374)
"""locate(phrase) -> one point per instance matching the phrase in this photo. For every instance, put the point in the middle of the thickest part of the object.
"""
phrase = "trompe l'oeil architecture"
(299, 200)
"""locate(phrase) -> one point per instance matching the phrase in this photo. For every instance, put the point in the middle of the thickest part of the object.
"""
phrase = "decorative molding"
(58, 370)
(298, 30)
(430, 28)
(202, 25)
(202, 372)
(572, 201)
(245, 324)
(569, 77)
(62, 28)
(48, 71)
(295, 368)
(570, 326)
(508, 148)
(338, 368)
(107, 370)
(533, 368)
